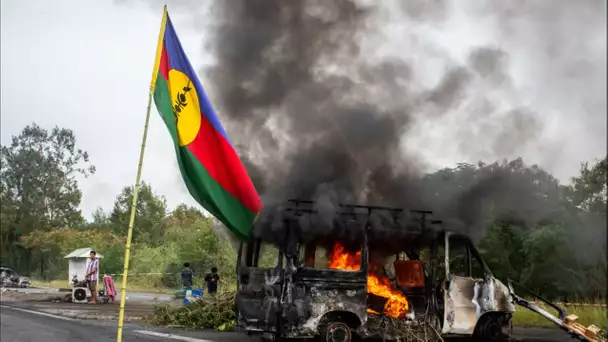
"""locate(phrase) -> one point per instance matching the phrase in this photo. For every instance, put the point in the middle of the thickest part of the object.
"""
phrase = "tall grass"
(587, 315)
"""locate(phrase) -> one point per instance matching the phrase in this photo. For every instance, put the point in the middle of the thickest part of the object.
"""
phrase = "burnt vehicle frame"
(294, 300)
(10, 278)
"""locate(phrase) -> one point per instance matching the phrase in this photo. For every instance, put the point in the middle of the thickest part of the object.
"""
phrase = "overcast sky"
(86, 65)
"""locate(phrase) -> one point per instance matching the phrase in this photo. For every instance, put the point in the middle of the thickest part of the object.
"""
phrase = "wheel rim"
(338, 332)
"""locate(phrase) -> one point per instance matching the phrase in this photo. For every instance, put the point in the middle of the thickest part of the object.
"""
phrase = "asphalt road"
(18, 325)
(22, 325)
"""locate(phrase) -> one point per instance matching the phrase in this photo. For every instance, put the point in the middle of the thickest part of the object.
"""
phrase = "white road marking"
(38, 313)
(175, 337)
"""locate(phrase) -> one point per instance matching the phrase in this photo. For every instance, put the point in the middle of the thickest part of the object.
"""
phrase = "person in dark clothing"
(187, 276)
(212, 279)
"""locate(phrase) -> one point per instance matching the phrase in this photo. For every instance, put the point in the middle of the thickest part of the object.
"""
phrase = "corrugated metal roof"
(81, 253)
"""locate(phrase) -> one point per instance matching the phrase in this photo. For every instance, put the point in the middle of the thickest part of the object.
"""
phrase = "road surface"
(24, 325)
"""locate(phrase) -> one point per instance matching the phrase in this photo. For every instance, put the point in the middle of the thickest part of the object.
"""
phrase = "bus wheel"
(493, 327)
(336, 331)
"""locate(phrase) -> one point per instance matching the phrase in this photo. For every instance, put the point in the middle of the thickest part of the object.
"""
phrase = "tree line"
(556, 245)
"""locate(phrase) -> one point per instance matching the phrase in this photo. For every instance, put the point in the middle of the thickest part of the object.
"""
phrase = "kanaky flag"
(211, 169)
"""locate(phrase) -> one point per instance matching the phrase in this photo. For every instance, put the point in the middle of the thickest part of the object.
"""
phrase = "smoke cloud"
(325, 121)
(319, 118)
(319, 107)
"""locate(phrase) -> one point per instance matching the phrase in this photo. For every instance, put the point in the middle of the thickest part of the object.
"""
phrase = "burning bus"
(377, 272)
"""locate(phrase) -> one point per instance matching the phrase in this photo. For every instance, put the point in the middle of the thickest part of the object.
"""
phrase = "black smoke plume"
(316, 118)
(317, 112)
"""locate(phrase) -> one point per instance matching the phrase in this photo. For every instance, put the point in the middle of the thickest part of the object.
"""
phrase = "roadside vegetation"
(587, 314)
(208, 313)
(562, 257)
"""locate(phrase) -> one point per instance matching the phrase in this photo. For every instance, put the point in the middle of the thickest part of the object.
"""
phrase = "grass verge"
(587, 315)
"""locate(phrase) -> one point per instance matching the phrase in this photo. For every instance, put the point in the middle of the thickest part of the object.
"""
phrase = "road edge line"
(171, 336)
(38, 313)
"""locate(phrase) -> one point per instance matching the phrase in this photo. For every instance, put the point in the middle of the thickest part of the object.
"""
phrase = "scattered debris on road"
(591, 333)
(206, 313)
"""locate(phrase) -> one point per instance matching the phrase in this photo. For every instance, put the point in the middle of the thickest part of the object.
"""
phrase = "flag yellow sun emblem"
(186, 109)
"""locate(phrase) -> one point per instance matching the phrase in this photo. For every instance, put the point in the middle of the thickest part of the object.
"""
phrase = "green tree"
(184, 215)
(589, 190)
(100, 220)
(588, 195)
(544, 235)
(149, 214)
(502, 248)
(560, 254)
(39, 188)
(478, 194)
(544, 267)
(199, 243)
(59, 242)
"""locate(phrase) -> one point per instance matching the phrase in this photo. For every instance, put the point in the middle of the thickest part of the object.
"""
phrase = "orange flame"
(396, 305)
(340, 259)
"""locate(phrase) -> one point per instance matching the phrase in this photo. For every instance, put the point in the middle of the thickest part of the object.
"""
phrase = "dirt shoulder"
(53, 303)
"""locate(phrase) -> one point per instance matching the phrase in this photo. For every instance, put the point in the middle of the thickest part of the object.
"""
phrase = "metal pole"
(123, 288)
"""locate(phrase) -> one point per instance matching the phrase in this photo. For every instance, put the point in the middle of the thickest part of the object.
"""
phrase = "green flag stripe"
(205, 190)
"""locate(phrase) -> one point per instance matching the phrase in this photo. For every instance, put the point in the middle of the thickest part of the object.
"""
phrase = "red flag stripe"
(223, 164)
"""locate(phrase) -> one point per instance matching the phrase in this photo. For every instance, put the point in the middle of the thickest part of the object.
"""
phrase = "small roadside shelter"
(77, 263)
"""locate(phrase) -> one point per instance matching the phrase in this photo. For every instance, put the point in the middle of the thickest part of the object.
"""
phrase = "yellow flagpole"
(123, 288)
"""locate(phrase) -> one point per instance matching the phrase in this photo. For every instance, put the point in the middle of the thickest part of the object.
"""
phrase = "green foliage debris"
(207, 313)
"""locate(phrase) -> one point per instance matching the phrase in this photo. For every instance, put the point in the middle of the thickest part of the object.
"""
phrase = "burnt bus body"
(297, 301)
(283, 293)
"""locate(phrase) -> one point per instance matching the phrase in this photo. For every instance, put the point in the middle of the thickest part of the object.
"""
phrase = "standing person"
(187, 277)
(212, 279)
(91, 276)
